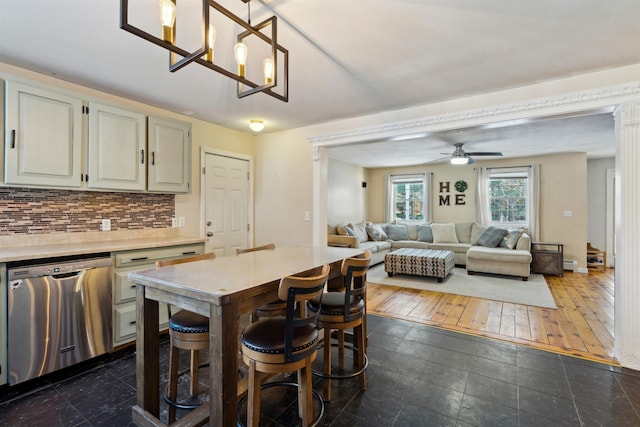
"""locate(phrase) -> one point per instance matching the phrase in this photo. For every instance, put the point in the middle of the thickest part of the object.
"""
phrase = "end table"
(547, 258)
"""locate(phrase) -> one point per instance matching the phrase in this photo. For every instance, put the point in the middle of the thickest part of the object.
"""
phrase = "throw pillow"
(491, 237)
(511, 239)
(425, 234)
(397, 232)
(476, 231)
(376, 233)
(340, 230)
(348, 231)
(360, 231)
(463, 231)
(444, 233)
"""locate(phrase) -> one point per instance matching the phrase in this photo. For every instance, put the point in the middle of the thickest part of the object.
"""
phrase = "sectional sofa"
(479, 248)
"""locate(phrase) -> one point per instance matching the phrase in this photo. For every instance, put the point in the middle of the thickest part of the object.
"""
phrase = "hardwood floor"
(582, 325)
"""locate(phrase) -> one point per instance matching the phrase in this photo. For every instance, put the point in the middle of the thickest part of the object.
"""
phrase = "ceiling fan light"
(459, 160)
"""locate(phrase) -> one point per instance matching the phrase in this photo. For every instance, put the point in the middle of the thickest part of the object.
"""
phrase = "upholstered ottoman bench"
(420, 262)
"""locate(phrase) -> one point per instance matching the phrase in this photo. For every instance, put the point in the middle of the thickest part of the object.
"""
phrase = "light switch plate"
(106, 225)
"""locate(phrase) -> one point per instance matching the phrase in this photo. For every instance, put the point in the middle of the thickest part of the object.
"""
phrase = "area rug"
(494, 287)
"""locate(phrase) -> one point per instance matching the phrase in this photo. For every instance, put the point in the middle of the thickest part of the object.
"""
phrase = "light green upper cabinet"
(43, 137)
(169, 157)
(60, 139)
(117, 141)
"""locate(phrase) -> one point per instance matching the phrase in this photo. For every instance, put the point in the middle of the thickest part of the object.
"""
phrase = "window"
(508, 191)
(408, 201)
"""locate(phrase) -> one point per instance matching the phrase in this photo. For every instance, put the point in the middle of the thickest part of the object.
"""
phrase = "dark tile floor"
(418, 376)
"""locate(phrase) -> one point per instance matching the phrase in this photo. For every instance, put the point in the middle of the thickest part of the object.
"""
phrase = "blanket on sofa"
(534, 292)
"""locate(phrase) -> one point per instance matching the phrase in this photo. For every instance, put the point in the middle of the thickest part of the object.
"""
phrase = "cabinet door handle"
(142, 157)
(142, 258)
(133, 322)
(153, 158)
(13, 138)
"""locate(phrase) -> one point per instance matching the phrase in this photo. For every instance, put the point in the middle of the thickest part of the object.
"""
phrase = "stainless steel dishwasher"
(59, 314)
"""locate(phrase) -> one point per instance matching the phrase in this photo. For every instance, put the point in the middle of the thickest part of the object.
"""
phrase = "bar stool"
(345, 310)
(276, 345)
(187, 331)
(274, 308)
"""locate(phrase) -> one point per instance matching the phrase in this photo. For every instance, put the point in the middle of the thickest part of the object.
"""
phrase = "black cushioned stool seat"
(188, 322)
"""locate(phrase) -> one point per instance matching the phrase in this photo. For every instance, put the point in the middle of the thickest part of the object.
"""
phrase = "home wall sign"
(445, 188)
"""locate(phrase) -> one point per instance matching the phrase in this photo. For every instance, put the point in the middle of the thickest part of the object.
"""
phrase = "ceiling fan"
(461, 157)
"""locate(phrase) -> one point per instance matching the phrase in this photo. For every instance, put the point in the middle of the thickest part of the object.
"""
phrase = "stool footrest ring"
(177, 404)
(343, 376)
(315, 421)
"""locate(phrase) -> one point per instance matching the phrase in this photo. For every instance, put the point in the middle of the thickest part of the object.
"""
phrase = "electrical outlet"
(174, 222)
(307, 216)
(106, 225)
(181, 221)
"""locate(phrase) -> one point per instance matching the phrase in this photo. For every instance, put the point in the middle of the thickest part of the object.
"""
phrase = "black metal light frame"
(197, 56)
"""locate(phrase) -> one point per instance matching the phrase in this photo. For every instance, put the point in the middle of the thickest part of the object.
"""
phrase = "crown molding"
(574, 103)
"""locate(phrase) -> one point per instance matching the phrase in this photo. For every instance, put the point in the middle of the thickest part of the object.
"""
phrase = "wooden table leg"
(147, 354)
(223, 364)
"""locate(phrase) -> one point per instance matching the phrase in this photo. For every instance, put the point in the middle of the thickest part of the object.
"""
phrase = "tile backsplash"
(41, 211)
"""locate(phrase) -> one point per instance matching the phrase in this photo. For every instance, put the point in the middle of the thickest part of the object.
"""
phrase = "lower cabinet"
(124, 291)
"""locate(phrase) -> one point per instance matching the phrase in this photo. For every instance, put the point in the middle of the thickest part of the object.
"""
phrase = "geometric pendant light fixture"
(264, 34)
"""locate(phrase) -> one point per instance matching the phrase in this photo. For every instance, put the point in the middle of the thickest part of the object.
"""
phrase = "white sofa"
(510, 257)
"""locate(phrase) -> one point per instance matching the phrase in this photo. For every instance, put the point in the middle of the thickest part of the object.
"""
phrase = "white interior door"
(226, 203)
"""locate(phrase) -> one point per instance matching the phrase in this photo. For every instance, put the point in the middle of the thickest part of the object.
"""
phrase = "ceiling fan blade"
(485, 153)
(438, 160)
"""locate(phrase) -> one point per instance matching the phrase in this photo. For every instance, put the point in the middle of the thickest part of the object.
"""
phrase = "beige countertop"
(236, 277)
(87, 244)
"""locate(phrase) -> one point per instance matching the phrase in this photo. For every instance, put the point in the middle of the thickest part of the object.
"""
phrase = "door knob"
(209, 233)
(208, 223)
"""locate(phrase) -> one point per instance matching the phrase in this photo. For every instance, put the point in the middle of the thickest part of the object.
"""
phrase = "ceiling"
(346, 59)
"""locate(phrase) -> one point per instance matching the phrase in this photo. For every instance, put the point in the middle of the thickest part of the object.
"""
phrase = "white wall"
(283, 189)
(596, 200)
(345, 195)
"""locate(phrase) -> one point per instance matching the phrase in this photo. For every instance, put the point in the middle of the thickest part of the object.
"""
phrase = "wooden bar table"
(221, 289)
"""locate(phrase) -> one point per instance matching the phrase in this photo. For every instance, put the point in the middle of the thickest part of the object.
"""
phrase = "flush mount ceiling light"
(256, 125)
(205, 55)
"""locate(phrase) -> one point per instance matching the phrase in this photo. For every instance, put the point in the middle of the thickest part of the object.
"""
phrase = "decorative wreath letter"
(460, 186)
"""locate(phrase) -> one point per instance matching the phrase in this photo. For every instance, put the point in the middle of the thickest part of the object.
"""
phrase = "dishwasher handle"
(69, 274)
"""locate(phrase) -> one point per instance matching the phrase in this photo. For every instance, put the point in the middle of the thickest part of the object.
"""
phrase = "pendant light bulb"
(167, 18)
(212, 41)
(267, 69)
(241, 52)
